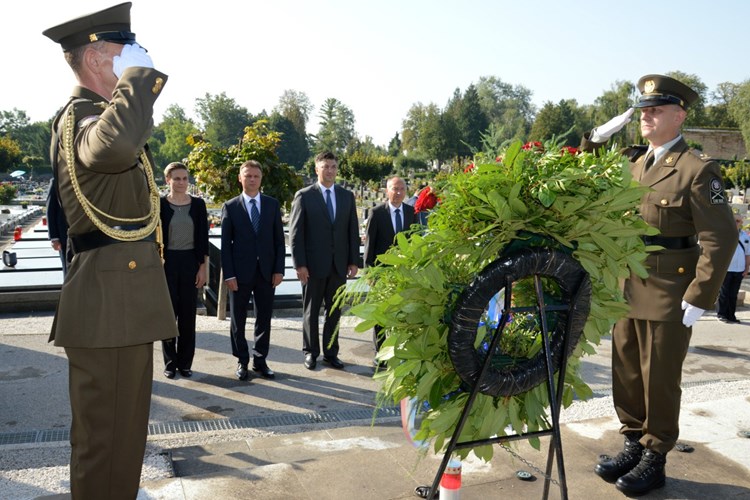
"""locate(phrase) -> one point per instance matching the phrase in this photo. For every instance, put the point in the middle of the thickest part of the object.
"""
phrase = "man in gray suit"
(324, 236)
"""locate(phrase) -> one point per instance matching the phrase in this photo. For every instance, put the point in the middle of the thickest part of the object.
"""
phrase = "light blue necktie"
(254, 215)
(399, 224)
(329, 203)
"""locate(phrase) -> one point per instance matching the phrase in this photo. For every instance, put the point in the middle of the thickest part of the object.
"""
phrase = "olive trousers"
(110, 397)
(647, 358)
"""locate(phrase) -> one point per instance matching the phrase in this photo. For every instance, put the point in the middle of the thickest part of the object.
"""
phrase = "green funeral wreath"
(580, 203)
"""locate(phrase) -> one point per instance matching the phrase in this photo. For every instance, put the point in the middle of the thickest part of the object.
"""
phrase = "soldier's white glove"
(603, 132)
(692, 314)
(131, 55)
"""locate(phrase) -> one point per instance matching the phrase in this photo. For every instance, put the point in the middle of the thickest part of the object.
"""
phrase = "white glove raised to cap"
(604, 132)
(131, 55)
(692, 314)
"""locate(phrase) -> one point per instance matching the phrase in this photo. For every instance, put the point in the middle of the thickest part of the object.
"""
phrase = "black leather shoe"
(186, 372)
(264, 371)
(646, 476)
(169, 373)
(310, 361)
(611, 469)
(334, 362)
(241, 371)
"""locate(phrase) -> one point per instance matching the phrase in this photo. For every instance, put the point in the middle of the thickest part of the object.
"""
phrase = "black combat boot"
(610, 469)
(646, 476)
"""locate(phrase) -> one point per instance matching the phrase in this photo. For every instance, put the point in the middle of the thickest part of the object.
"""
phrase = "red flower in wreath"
(469, 168)
(425, 201)
(531, 146)
(570, 150)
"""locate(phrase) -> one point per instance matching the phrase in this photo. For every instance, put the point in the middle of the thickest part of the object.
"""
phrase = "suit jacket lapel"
(388, 222)
(320, 197)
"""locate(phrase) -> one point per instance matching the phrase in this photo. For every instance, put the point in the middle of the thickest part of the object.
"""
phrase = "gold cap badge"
(649, 86)
(158, 84)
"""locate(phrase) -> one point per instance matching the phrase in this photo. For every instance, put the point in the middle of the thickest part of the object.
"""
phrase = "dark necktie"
(255, 216)
(399, 225)
(649, 161)
(329, 204)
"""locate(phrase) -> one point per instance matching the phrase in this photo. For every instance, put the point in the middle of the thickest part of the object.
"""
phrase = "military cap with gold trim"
(658, 90)
(110, 25)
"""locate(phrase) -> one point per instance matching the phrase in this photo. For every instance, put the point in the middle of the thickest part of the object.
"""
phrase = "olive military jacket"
(687, 199)
(114, 295)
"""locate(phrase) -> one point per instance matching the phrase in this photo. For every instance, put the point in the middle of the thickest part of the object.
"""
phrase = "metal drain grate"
(223, 424)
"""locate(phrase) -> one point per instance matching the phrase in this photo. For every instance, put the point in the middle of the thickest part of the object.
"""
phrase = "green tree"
(10, 154)
(169, 141)
(739, 108)
(613, 102)
(507, 107)
(216, 169)
(438, 135)
(470, 120)
(290, 118)
(366, 167)
(7, 193)
(224, 120)
(738, 175)
(395, 146)
(336, 127)
(718, 113)
(562, 120)
(696, 116)
(293, 149)
(33, 138)
(413, 124)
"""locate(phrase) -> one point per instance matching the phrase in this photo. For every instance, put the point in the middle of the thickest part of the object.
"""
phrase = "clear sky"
(380, 57)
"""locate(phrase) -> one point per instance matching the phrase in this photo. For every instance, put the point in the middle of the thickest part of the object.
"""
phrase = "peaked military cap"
(658, 90)
(110, 25)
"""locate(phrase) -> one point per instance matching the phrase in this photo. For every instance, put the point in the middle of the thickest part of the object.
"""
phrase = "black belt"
(671, 242)
(97, 239)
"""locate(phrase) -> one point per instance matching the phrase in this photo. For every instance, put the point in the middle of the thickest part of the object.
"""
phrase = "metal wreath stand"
(476, 370)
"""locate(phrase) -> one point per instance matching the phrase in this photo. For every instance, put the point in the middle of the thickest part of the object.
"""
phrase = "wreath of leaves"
(582, 203)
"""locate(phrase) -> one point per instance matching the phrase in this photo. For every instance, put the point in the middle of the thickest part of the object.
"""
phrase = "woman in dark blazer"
(184, 223)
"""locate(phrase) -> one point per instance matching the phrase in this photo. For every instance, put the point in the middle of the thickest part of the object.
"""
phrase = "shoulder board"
(86, 107)
(700, 155)
(634, 151)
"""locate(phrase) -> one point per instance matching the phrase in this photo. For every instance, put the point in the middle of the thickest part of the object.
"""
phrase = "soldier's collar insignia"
(668, 160)
(649, 86)
(717, 192)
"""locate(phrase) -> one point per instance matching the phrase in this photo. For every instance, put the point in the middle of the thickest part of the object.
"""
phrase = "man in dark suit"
(385, 221)
(324, 235)
(57, 226)
(252, 258)
(114, 302)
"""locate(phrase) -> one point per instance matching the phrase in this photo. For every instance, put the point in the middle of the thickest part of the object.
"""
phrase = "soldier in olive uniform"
(114, 302)
(687, 203)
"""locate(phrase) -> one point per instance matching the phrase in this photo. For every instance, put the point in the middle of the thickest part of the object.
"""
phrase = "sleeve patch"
(717, 195)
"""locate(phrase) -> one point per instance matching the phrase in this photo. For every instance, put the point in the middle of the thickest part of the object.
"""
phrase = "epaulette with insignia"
(700, 155)
(635, 151)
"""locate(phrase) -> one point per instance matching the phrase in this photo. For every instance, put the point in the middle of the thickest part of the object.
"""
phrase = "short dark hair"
(175, 165)
(326, 155)
(252, 164)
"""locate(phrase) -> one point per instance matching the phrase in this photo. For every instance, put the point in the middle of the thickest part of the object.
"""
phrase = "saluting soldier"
(114, 302)
(688, 204)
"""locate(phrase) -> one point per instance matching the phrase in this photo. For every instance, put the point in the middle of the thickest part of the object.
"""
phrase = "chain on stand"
(529, 464)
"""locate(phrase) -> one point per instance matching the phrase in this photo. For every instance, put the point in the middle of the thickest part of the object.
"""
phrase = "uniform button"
(681, 270)
(132, 264)
(158, 84)
(664, 201)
